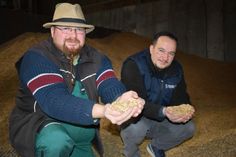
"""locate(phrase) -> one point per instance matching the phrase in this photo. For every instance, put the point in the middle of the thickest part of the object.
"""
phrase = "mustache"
(72, 40)
(71, 51)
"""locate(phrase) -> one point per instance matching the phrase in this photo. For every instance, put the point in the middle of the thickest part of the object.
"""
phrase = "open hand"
(128, 100)
(177, 114)
(125, 110)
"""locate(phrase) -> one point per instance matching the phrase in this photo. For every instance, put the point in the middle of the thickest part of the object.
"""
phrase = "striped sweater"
(45, 90)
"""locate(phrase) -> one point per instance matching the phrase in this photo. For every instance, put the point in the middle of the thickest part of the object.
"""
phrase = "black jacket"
(159, 88)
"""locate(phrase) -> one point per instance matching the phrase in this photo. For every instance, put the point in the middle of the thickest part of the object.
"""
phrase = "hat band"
(70, 20)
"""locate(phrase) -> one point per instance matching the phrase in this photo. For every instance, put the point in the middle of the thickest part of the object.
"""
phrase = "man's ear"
(151, 48)
(52, 31)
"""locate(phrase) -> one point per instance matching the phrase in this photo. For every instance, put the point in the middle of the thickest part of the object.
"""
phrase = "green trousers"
(64, 140)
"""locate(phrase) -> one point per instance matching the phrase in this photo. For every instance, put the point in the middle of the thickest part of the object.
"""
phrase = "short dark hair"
(164, 33)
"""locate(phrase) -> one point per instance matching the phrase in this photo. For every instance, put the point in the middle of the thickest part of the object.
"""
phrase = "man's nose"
(166, 55)
(73, 32)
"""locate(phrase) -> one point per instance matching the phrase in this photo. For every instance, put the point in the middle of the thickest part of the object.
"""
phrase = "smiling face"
(69, 40)
(163, 52)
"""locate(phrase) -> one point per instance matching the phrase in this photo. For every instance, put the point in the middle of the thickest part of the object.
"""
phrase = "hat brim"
(88, 28)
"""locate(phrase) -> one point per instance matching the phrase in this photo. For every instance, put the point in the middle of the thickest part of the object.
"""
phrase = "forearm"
(180, 95)
(153, 111)
(109, 87)
(98, 111)
(110, 90)
(61, 105)
(48, 87)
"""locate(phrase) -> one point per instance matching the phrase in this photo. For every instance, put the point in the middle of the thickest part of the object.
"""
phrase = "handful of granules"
(181, 110)
(123, 106)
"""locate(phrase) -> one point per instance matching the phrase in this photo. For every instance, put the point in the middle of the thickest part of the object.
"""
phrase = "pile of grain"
(211, 85)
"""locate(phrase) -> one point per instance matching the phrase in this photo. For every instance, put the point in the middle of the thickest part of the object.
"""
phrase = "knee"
(60, 144)
(130, 135)
(54, 142)
(190, 129)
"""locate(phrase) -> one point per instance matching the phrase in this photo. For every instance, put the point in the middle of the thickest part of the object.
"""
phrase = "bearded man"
(61, 79)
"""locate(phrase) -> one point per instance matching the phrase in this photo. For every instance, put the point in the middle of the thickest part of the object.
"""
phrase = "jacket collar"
(84, 53)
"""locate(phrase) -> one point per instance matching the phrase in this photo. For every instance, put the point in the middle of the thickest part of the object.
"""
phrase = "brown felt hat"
(67, 14)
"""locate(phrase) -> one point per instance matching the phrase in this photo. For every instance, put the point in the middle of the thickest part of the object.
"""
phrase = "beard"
(72, 47)
(160, 65)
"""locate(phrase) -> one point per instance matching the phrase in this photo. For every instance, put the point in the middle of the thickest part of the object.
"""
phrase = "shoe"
(155, 152)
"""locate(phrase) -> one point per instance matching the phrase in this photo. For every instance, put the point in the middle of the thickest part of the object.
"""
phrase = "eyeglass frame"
(68, 30)
(162, 51)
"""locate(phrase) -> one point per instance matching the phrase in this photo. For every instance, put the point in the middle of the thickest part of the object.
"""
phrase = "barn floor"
(211, 85)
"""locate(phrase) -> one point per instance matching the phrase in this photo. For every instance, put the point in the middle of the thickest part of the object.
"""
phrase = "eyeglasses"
(162, 52)
(68, 30)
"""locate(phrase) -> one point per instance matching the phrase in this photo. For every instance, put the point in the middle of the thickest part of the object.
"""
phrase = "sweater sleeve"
(47, 85)
(132, 79)
(109, 87)
(180, 95)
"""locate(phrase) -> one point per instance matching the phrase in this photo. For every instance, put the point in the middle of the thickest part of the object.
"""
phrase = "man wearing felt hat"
(69, 15)
(61, 80)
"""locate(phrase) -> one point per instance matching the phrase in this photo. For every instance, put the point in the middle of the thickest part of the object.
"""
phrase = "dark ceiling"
(47, 7)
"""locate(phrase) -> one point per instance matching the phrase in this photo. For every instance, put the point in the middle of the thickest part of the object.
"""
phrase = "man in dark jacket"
(158, 78)
(61, 79)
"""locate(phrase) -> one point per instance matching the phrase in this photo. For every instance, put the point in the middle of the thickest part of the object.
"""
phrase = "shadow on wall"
(16, 22)
(101, 32)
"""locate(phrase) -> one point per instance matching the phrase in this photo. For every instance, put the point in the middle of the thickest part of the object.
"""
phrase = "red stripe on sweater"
(104, 76)
(44, 80)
